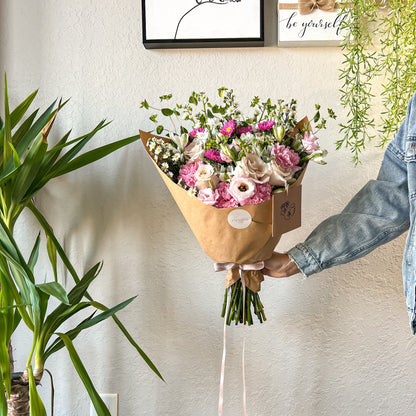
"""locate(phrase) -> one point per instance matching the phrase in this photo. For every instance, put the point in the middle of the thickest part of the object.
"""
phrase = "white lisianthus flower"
(180, 140)
(242, 188)
(247, 137)
(254, 167)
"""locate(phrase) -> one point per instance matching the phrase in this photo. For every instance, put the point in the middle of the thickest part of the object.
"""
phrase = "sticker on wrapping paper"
(239, 218)
(287, 210)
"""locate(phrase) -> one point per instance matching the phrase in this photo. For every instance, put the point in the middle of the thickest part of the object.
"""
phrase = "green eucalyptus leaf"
(166, 112)
(96, 400)
(159, 129)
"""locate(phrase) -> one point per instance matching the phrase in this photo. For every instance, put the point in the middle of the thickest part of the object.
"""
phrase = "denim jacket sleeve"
(378, 213)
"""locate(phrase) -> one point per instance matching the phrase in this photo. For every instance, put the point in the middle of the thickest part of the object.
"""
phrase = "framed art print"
(311, 22)
(202, 23)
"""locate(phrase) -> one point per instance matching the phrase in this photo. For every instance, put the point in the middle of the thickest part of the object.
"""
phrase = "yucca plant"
(27, 164)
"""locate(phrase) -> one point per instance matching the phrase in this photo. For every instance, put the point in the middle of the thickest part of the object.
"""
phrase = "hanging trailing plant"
(379, 42)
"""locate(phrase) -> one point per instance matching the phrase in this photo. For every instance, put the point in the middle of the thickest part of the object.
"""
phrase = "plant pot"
(18, 402)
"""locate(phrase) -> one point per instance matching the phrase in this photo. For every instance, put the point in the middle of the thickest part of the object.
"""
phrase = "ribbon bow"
(251, 272)
(308, 6)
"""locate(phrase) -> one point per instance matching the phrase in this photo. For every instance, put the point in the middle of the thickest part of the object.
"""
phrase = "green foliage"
(379, 42)
(27, 163)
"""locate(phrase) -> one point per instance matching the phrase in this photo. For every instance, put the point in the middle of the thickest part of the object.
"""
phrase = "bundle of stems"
(240, 305)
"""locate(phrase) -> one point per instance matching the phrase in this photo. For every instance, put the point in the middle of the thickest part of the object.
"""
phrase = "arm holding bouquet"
(381, 211)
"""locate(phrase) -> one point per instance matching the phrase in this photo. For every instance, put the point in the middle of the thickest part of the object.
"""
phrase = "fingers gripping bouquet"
(240, 177)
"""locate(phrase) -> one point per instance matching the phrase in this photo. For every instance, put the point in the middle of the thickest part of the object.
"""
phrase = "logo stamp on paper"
(239, 219)
(288, 210)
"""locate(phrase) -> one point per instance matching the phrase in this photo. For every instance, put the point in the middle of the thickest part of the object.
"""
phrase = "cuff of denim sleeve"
(305, 260)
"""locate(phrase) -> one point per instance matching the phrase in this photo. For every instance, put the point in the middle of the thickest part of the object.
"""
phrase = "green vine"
(379, 41)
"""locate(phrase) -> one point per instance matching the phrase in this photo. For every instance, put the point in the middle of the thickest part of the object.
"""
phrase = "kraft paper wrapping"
(219, 240)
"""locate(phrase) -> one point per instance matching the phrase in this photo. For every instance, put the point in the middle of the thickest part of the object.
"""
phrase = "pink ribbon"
(242, 267)
(220, 267)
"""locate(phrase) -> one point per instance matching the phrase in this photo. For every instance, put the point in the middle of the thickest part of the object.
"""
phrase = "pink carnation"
(187, 173)
(213, 155)
(225, 200)
(242, 130)
(263, 193)
(286, 157)
(266, 125)
(194, 132)
(228, 128)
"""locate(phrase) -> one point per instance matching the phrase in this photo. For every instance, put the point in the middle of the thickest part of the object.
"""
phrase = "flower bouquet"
(236, 179)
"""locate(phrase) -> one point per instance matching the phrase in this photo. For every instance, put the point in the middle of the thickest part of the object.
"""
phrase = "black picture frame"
(215, 23)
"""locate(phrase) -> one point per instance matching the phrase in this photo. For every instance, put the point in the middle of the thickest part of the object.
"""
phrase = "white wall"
(337, 343)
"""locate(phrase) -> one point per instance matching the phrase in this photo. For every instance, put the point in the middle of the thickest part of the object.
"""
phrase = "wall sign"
(310, 23)
(202, 23)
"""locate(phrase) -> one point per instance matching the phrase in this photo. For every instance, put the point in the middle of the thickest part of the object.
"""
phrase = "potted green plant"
(27, 164)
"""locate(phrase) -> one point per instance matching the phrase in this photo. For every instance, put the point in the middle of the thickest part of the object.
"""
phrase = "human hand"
(280, 265)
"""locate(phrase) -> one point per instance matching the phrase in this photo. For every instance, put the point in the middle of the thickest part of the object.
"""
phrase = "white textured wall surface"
(337, 343)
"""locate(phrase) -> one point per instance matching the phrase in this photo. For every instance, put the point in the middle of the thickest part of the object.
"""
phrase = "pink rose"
(205, 177)
(279, 176)
(242, 188)
(254, 167)
(310, 143)
(208, 196)
(194, 152)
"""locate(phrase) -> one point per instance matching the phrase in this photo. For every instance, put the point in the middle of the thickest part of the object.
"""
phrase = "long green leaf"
(18, 113)
(4, 354)
(35, 129)
(93, 156)
(24, 128)
(28, 170)
(98, 403)
(3, 400)
(88, 323)
(71, 153)
(51, 249)
(132, 341)
(7, 135)
(34, 254)
(36, 406)
(54, 289)
(49, 232)
(54, 319)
